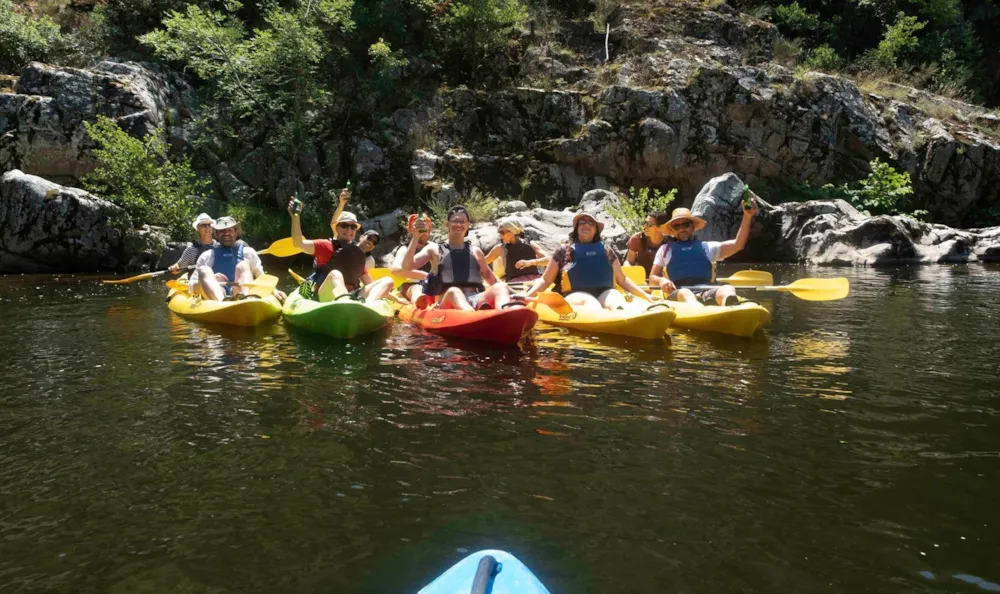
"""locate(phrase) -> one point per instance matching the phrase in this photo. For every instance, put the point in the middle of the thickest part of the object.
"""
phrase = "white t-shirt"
(208, 258)
(663, 254)
(369, 263)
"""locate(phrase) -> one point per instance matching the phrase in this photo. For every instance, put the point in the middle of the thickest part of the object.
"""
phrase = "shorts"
(477, 301)
(705, 296)
(596, 293)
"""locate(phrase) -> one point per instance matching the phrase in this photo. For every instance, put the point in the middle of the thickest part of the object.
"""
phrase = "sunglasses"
(647, 224)
(371, 239)
(684, 225)
(205, 226)
(345, 225)
(590, 222)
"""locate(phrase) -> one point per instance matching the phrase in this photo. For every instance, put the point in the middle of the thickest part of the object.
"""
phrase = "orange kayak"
(505, 326)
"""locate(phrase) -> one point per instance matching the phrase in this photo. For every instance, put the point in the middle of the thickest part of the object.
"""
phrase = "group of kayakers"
(457, 275)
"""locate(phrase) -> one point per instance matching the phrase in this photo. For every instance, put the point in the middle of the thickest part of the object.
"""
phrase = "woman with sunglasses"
(642, 246)
(521, 258)
(585, 271)
(203, 225)
(338, 263)
(688, 261)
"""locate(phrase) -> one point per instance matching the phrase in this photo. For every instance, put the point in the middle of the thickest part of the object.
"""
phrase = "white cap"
(202, 218)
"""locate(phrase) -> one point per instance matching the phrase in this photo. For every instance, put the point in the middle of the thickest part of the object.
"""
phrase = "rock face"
(689, 95)
(835, 233)
(41, 123)
(45, 227)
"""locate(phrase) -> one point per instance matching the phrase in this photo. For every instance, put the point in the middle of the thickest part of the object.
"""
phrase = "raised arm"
(495, 253)
(733, 246)
(297, 240)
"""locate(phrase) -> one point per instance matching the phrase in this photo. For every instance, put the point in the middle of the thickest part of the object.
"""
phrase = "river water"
(855, 446)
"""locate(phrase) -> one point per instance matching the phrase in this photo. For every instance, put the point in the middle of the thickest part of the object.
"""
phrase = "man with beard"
(231, 261)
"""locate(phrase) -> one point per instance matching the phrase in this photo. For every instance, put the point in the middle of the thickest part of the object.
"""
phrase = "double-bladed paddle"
(139, 277)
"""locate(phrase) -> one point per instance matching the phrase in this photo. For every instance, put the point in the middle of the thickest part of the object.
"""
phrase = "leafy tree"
(136, 175)
(824, 58)
(474, 33)
(23, 38)
(793, 18)
(884, 191)
(631, 209)
(898, 41)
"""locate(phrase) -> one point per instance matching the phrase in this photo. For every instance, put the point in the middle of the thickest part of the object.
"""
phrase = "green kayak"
(339, 319)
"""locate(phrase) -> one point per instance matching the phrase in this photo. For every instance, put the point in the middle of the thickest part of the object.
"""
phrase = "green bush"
(482, 207)
(136, 175)
(262, 224)
(898, 41)
(793, 18)
(23, 38)
(631, 209)
(824, 58)
(884, 191)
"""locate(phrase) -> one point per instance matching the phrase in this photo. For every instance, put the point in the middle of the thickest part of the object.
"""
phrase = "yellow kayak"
(247, 312)
(638, 321)
(744, 319)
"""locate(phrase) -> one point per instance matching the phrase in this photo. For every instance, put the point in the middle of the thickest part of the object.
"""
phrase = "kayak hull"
(504, 326)
(514, 577)
(635, 322)
(745, 319)
(247, 312)
(342, 319)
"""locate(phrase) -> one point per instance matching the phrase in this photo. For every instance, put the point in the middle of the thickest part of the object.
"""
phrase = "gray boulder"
(45, 227)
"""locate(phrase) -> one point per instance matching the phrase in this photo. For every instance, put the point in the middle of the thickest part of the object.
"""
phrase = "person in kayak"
(231, 261)
(688, 261)
(458, 270)
(203, 225)
(422, 247)
(585, 270)
(521, 258)
(369, 239)
(338, 263)
(642, 246)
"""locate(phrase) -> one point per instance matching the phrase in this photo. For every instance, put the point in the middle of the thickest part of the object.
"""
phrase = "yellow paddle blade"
(815, 289)
(263, 285)
(377, 273)
(555, 301)
(748, 278)
(176, 284)
(281, 248)
(132, 279)
(297, 278)
(636, 273)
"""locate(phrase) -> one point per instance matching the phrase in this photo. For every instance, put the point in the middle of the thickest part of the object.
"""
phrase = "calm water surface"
(855, 446)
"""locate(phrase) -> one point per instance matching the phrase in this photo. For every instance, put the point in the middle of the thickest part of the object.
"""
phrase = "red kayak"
(505, 326)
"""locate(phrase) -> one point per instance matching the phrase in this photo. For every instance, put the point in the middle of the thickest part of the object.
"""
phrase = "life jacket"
(514, 253)
(459, 269)
(348, 258)
(689, 265)
(202, 248)
(585, 266)
(647, 253)
(225, 259)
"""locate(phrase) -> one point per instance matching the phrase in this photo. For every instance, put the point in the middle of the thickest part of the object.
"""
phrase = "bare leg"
(723, 292)
(687, 296)
(497, 295)
(209, 286)
(243, 275)
(333, 286)
(612, 299)
(454, 298)
(581, 301)
(413, 293)
(378, 289)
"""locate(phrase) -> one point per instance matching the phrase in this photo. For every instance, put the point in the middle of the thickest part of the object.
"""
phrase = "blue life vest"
(689, 265)
(225, 260)
(459, 269)
(585, 267)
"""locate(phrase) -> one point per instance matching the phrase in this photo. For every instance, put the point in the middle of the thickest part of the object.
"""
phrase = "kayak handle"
(487, 570)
